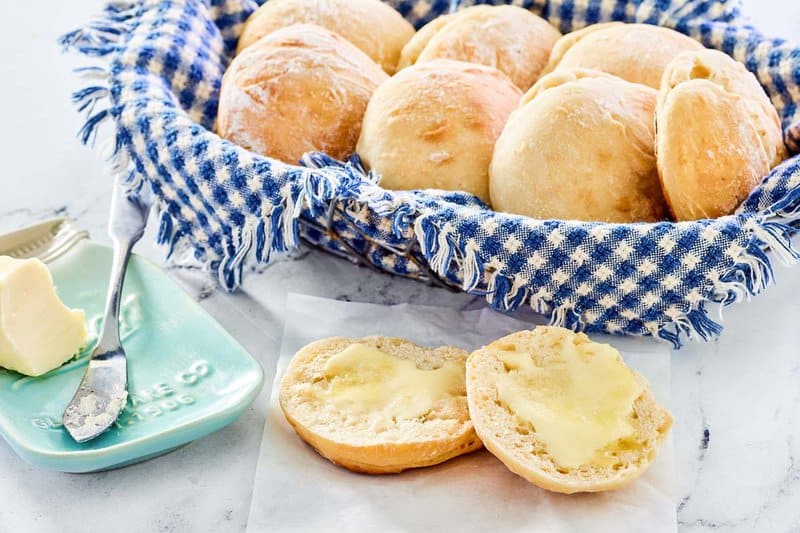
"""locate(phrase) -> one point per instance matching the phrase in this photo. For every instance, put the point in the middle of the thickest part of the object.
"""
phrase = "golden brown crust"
(561, 77)
(419, 41)
(511, 39)
(434, 125)
(568, 40)
(445, 433)
(718, 135)
(638, 53)
(299, 89)
(732, 76)
(373, 26)
(518, 448)
(387, 458)
(581, 147)
(709, 151)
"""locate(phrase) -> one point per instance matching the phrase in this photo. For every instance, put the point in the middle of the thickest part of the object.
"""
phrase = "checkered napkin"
(158, 84)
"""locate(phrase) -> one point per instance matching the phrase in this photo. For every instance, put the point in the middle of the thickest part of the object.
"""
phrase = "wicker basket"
(161, 62)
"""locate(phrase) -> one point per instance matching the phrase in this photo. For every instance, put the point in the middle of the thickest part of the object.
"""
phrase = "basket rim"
(766, 228)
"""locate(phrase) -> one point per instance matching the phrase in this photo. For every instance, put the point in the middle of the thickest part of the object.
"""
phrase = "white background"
(744, 390)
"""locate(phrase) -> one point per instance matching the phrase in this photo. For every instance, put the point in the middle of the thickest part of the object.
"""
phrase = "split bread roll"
(580, 147)
(434, 125)
(509, 38)
(564, 412)
(379, 405)
(300, 89)
(638, 53)
(718, 134)
(372, 25)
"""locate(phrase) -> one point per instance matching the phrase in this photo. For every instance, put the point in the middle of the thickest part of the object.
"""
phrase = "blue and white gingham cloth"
(158, 84)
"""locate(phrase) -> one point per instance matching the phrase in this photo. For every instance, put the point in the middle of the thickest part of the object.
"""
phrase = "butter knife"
(103, 392)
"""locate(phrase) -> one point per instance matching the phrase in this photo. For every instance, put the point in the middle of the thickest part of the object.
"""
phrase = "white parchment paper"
(298, 490)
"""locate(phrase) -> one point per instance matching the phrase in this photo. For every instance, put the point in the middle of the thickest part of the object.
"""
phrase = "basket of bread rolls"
(622, 167)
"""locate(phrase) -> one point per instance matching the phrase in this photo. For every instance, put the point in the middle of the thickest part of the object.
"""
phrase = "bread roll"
(718, 134)
(434, 125)
(511, 39)
(419, 41)
(379, 405)
(563, 412)
(372, 25)
(300, 89)
(637, 53)
(580, 147)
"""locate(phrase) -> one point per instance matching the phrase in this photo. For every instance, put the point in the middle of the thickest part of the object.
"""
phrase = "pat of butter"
(367, 381)
(578, 403)
(37, 331)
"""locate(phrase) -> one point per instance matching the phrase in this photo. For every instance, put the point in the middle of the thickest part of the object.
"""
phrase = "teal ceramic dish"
(186, 376)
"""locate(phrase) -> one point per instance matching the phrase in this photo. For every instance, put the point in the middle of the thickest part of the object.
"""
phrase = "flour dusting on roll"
(434, 125)
(420, 40)
(580, 147)
(300, 89)
(372, 25)
(509, 38)
(718, 134)
(637, 53)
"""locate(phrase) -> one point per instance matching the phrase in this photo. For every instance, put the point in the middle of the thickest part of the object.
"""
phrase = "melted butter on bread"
(578, 402)
(367, 381)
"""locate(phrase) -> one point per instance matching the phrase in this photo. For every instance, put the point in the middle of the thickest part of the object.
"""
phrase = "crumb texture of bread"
(434, 125)
(580, 147)
(366, 417)
(371, 25)
(509, 38)
(523, 387)
(718, 134)
(299, 89)
(638, 53)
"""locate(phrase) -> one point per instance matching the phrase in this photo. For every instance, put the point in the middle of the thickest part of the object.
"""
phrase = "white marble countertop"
(736, 401)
